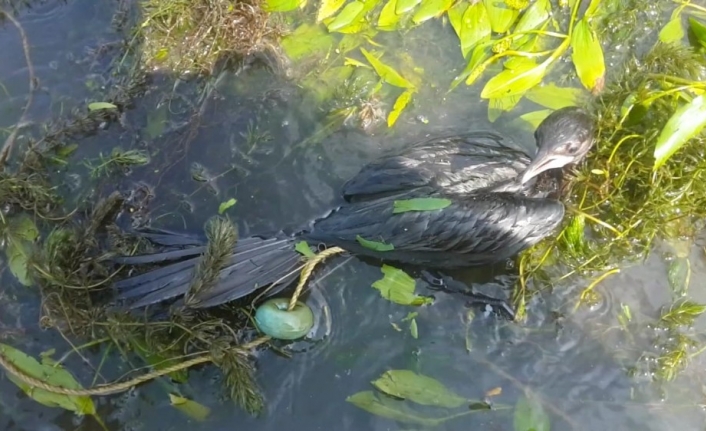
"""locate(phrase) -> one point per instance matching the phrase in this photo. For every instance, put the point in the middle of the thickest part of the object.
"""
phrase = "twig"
(10, 141)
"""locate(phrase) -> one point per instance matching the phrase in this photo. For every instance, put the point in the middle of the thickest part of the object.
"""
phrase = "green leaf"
(390, 409)
(374, 245)
(553, 97)
(587, 55)
(328, 8)
(502, 104)
(536, 15)
(475, 27)
(455, 15)
(388, 18)
(307, 40)
(530, 415)
(413, 330)
(535, 118)
(420, 204)
(22, 227)
(420, 389)
(699, 30)
(281, 5)
(348, 15)
(474, 68)
(158, 360)
(225, 205)
(401, 103)
(18, 253)
(673, 31)
(678, 275)
(303, 248)
(501, 16)
(404, 6)
(95, 106)
(431, 9)
(398, 287)
(686, 122)
(54, 375)
(516, 81)
(190, 408)
(387, 73)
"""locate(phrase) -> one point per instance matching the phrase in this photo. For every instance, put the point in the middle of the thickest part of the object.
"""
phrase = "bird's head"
(563, 138)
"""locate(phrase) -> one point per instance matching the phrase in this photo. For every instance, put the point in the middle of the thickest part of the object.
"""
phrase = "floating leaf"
(54, 375)
(387, 73)
(475, 27)
(420, 204)
(431, 9)
(374, 245)
(348, 15)
(455, 15)
(686, 122)
(388, 18)
(587, 55)
(401, 103)
(420, 389)
(553, 97)
(398, 287)
(225, 205)
(699, 30)
(390, 409)
(306, 40)
(413, 330)
(500, 15)
(536, 15)
(303, 248)
(281, 5)
(95, 106)
(328, 8)
(512, 82)
(503, 104)
(530, 415)
(189, 407)
(673, 31)
(404, 6)
(535, 118)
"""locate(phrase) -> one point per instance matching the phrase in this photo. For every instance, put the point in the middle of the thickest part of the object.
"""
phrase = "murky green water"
(576, 360)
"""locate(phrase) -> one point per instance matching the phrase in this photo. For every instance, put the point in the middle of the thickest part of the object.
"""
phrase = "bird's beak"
(544, 162)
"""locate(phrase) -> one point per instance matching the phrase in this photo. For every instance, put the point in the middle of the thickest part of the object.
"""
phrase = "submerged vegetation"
(644, 183)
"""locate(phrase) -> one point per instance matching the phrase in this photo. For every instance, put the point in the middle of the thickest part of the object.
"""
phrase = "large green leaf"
(475, 27)
(420, 389)
(398, 287)
(388, 408)
(388, 18)
(306, 40)
(328, 8)
(501, 15)
(387, 73)
(431, 9)
(530, 415)
(686, 122)
(673, 31)
(587, 55)
(536, 15)
(281, 5)
(511, 82)
(348, 15)
(400, 104)
(554, 97)
(51, 374)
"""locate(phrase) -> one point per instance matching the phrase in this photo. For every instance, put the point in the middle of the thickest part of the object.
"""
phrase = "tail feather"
(255, 264)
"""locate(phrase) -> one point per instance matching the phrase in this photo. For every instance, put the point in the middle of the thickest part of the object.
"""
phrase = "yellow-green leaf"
(401, 103)
(536, 15)
(328, 8)
(535, 118)
(699, 30)
(554, 97)
(281, 5)
(189, 407)
(686, 122)
(474, 68)
(388, 18)
(54, 375)
(306, 40)
(512, 82)
(431, 9)
(455, 15)
(475, 27)
(587, 55)
(95, 106)
(303, 248)
(420, 204)
(413, 329)
(418, 388)
(387, 73)
(404, 6)
(348, 15)
(501, 15)
(673, 31)
(223, 207)
(374, 245)
(503, 104)
(398, 287)
(518, 62)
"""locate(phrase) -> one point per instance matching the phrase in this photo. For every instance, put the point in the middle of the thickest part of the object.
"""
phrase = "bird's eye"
(573, 148)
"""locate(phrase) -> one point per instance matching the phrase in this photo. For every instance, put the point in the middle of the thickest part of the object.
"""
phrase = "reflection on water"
(246, 147)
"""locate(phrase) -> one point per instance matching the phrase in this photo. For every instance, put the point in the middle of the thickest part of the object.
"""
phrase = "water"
(575, 360)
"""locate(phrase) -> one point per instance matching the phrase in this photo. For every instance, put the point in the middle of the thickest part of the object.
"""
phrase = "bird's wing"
(458, 164)
(481, 227)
